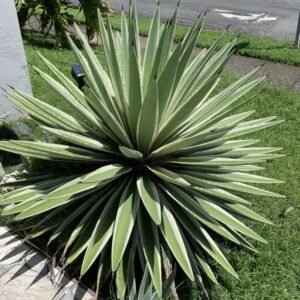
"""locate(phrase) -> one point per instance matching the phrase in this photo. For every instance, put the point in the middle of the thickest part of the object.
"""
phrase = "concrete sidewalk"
(25, 274)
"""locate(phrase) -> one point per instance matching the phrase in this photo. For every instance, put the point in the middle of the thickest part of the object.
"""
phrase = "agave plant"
(158, 166)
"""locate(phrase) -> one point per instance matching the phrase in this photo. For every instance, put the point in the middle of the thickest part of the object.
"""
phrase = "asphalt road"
(275, 18)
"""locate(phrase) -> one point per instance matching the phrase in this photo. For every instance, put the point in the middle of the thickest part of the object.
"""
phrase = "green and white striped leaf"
(124, 222)
(151, 248)
(150, 197)
(172, 235)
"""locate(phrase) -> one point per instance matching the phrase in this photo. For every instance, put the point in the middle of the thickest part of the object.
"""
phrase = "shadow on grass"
(40, 40)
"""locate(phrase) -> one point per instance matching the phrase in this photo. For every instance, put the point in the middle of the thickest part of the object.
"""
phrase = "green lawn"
(275, 272)
(248, 45)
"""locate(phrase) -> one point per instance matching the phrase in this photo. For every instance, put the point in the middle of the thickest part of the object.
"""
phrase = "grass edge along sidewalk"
(281, 51)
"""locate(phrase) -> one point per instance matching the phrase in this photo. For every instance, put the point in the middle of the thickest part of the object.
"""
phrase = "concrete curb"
(26, 274)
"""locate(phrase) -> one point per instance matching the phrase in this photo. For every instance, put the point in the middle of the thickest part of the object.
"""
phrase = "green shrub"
(55, 14)
(155, 170)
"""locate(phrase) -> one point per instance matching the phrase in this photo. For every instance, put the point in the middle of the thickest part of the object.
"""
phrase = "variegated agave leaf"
(167, 168)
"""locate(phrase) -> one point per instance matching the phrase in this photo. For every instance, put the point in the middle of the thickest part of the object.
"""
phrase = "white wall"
(13, 64)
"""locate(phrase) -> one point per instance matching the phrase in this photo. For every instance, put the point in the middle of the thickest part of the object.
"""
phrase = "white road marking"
(255, 18)
(221, 10)
(266, 18)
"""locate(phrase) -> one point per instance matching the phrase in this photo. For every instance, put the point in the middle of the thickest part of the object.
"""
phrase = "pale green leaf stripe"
(29, 225)
(190, 73)
(169, 176)
(214, 160)
(45, 205)
(31, 190)
(186, 73)
(27, 201)
(89, 215)
(227, 219)
(100, 76)
(106, 172)
(206, 268)
(231, 186)
(124, 44)
(206, 73)
(121, 278)
(183, 113)
(205, 241)
(40, 231)
(23, 194)
(64, 80)
(26, 181)
(224, 123)
(235, 150)
(84, 234)
(166, 82)
(194, 209)
(212, 146)
(151, 246)
(103, 83)
(61, 90)
(76, 213)
(99, 177)
(50, 151)
(168, 41)
(251, 151)
(46, 113)
(15, 209)
(240, 177)
(130, 153)
(217, 137)
(223, 169)
(172, 235)
(241, 168)
(212, 190)
(245, 188)
(102, 232)
(150, 197)
(242, 130)
(209, 188)
(124, 222)
(78, 139)
(246, 212)
(227, 97)
(89, 78)
(135, 91)
(157, 59)
(200, 64)
(112, 62)
(131, 282)
(152, 44)
(113, 124)
(134, 25)
(148, 119)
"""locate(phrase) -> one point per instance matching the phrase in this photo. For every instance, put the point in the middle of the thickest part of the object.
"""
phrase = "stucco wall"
(13, 65)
